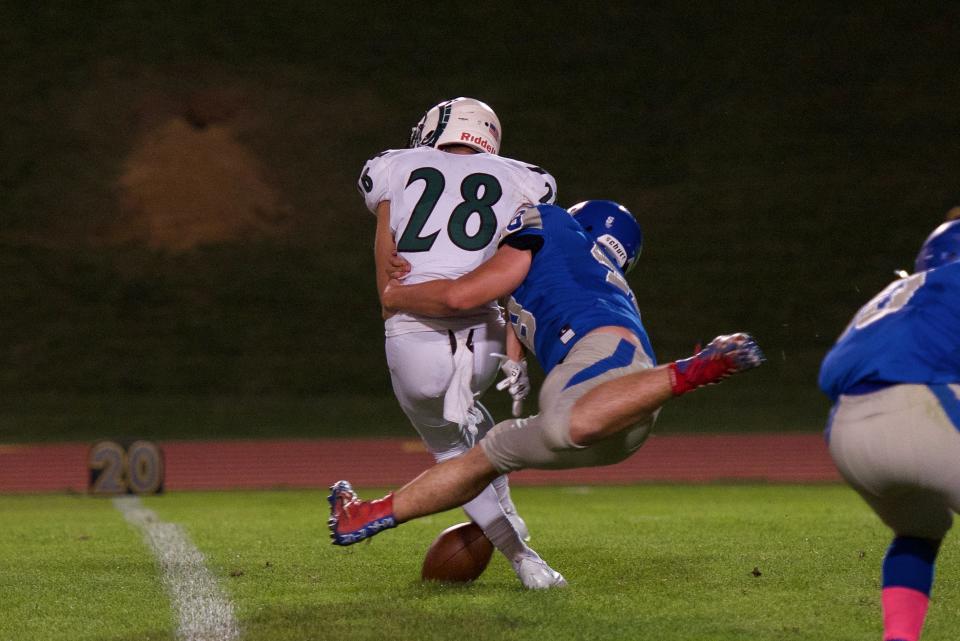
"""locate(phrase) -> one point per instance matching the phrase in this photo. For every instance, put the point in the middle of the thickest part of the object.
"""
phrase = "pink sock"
(904, 610)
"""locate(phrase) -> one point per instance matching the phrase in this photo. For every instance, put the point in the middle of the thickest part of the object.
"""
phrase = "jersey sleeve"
(524, 231)
(374, 182)
(540, 188)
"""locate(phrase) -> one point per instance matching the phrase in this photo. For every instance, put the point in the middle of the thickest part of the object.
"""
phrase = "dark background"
(782, 159)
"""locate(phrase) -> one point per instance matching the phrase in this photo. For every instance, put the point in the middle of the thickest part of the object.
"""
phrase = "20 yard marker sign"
(137, 468)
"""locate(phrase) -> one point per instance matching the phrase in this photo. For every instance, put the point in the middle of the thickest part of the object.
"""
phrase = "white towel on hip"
(458, 400)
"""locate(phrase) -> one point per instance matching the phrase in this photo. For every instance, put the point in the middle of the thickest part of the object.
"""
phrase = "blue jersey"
(572, 287)
(909, 333)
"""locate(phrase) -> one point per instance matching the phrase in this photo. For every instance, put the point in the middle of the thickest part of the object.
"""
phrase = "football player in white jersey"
(441, 205)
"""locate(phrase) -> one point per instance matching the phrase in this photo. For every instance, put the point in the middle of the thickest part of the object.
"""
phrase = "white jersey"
(447, 213)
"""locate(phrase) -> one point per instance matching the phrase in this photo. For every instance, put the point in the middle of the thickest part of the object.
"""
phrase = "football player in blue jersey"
(894, 431)
(570, 304)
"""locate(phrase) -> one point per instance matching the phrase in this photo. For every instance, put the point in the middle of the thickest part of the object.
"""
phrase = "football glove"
(515, 381)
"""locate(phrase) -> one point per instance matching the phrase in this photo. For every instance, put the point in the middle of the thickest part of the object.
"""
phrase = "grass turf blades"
(71, 569)
(674, 563)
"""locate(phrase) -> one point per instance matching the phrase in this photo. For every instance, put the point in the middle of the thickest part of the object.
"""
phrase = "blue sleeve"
(531, 242)
(526, 224)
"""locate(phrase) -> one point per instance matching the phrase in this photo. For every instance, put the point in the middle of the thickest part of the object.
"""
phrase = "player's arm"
(514, 347)
(385, 253)
(495, 278)
(514, 368)
(373, 185)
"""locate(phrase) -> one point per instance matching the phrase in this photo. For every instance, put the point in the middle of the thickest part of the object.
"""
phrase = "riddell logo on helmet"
(477, 140)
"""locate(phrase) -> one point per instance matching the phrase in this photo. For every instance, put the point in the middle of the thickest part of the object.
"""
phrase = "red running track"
(221, 465)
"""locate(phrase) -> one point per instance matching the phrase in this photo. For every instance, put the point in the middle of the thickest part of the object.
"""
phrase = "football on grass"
(460, 554)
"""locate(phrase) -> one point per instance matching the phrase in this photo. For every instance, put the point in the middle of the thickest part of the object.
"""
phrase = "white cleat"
(535, 574)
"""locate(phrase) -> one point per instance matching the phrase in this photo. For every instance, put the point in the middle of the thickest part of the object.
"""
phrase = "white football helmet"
(461, 121)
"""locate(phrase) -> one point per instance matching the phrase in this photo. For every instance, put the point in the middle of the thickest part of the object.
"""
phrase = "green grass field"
(646, 562)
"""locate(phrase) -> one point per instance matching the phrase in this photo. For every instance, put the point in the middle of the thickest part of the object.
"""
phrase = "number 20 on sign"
(135, 469)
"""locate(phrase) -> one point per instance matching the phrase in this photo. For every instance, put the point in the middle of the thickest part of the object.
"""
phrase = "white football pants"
(421, 369)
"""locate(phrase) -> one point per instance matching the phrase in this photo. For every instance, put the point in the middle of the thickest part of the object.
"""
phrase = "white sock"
(502, 487)
(485, 510)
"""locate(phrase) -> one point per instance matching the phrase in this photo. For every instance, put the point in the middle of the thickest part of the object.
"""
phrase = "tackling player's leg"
(619, 403)
(441, 487)
(456, 481)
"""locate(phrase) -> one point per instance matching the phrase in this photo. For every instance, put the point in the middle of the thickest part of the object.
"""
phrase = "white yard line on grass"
(203, 611)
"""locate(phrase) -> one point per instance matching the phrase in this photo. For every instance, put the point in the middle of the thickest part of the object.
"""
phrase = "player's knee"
(584, 429)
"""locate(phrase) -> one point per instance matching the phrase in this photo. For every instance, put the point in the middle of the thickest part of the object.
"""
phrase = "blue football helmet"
(941, 247)
(613, 227)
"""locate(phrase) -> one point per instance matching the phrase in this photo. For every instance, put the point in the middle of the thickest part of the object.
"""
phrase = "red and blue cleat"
(723, 356)
(353, 520)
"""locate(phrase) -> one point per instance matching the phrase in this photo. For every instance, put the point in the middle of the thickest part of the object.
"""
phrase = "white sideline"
(203, 611)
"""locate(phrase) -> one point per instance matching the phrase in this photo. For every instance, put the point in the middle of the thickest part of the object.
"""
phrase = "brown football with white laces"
(459, 554)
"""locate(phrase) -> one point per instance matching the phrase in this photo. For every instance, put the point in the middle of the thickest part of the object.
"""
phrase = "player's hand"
(515, 381)
(397, 267)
